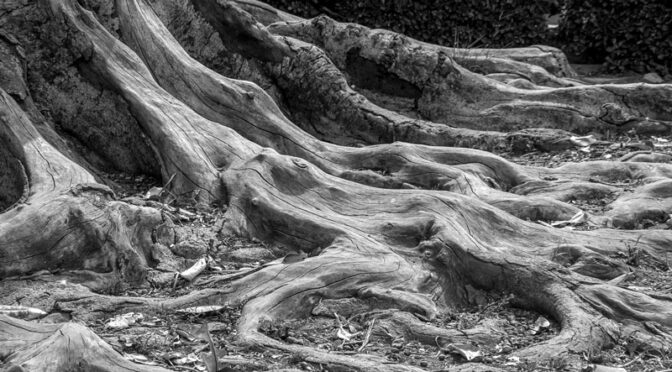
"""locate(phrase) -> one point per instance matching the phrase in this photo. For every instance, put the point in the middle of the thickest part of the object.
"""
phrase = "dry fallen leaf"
(123, 320)
(189, 359)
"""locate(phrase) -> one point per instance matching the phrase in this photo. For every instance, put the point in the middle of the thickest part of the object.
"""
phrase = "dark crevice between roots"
(12, 179)
(239, 31)
(368, 74)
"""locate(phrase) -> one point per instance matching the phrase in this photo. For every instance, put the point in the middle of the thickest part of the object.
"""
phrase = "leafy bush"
(625, 34)
(460, 23)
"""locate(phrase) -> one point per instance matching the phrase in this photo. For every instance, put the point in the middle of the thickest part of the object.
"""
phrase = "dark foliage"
(625, 34)
(460, 23)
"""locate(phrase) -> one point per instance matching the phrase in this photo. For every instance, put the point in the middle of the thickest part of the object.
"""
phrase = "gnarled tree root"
(416, 250)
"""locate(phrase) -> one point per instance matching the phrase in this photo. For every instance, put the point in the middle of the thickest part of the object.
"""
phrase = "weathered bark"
(63, 220)
(226, 141)
(59, 347)
(318, 98)
(539, 63)
(447, 92)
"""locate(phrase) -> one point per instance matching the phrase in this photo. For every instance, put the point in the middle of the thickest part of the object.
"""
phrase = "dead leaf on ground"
(123, 321)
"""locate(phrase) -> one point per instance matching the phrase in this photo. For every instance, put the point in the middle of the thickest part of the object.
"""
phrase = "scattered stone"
(165, 233)
(540, 325)
(251, 254)
(190, 248)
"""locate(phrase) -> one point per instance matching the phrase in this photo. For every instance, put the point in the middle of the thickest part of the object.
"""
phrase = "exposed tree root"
(67, 221)
(447, 92)
(317, 95)
(540, 64)
(417, 250)
(58, 347)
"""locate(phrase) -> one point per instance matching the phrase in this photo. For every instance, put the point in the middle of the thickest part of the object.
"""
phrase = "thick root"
(380, 238)
(448, 92)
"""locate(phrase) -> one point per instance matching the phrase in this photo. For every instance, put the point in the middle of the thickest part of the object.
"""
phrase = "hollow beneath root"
(13, 180)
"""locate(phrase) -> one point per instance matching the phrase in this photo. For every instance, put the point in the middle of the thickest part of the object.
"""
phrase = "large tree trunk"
(412, 225)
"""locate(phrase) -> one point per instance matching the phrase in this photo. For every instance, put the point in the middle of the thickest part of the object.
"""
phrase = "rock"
(251, 254)
(653, 78)
(540, 325)
(165, 233)
(190, 248)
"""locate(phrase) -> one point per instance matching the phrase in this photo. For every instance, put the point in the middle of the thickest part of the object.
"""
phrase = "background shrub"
(624, 34)
(460, 23)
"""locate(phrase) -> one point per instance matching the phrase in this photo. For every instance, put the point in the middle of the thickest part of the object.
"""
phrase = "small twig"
(368, 335)
(476, 42)
(338, 319)
(169, 181)
(177, 277)
(212, 348)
